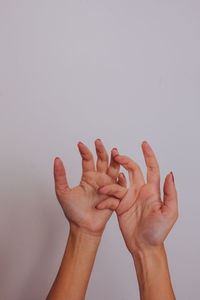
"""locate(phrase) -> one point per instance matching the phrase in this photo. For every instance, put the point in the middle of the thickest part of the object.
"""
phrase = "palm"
(145, 217)
(85, 197)
(79, 203)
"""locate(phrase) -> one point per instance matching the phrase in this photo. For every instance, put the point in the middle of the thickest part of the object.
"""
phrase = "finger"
(60, 179)
(135, 174)
(170, 194)
(113, 190)
(113, 170)
(102, 157)
(87, 158)
(122, 180)
(109, 203)
(153, 171)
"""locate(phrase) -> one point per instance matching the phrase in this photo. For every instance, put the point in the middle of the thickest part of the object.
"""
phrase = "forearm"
(153, 274)
(76, 266)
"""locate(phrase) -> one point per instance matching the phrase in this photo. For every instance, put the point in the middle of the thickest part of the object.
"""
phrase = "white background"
(123, 71)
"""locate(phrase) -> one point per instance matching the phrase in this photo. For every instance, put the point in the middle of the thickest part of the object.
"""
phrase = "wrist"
(80, 234)
(148, 251)
(75, 270)
(153, 273)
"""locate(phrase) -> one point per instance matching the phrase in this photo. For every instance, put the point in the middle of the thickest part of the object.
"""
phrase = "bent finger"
(109, 203)
(113, 190)
(122, 180)
(113, 170)
(135, 174)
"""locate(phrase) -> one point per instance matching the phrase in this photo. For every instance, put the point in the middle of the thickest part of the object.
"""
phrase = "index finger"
(135, 174)
(153, 171)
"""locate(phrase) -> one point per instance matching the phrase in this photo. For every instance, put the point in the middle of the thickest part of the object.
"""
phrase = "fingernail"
(172, 176)
(57, 160)
(80, 143)
(99, 140)
(115, 152)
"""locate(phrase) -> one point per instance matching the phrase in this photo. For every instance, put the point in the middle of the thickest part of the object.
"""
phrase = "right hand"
(79, 203)
(144, 219)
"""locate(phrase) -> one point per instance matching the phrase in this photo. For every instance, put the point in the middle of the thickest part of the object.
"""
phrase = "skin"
(145, 221)
(86, 222)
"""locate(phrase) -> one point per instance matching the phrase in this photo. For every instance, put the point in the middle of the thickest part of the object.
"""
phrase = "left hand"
(144, 219)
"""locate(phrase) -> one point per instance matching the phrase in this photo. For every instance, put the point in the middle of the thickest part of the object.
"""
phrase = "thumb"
(170, 194)
(60, 179)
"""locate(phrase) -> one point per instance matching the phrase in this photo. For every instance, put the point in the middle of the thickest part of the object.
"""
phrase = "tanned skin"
(86, 222)
(145, 221)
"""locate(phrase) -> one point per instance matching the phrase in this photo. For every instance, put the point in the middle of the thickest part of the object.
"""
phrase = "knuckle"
(153, 168)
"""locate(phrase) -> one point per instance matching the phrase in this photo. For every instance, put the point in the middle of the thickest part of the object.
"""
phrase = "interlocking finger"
(113, 170)
(113, 190)
(122, 180)
(135, 174)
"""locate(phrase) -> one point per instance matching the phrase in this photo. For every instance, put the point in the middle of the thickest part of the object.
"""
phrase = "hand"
(144, 219)
(79, 203)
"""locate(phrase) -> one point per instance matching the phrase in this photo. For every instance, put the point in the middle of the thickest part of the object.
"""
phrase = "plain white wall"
(123, 71)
